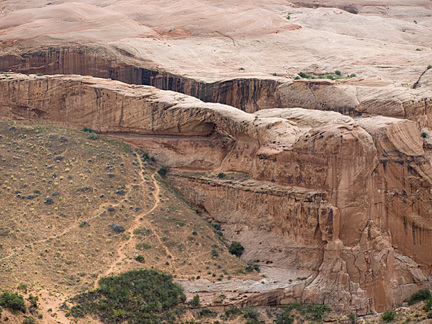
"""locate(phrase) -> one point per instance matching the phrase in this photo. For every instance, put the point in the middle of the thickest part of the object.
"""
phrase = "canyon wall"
(344, 197)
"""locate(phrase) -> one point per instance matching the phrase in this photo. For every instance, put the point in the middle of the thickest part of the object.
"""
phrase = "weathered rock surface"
(344, 197)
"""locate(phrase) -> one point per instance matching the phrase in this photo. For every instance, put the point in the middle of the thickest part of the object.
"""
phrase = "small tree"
(195, 301)
(163, 170)
(12, 301)
(236, 248)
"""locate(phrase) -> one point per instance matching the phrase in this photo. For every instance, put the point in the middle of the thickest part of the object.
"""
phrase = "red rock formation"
(345, 197)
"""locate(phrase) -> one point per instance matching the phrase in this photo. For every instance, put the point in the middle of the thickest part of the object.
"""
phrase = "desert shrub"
(163, 170)
(428, 305)
(310, 311)
(337, 72)
(250, 312)
(285, 318)
(140, 259)
(206, 312)
(12, 301)
(420, 295)
(214, 253)
(136, 296)
(353, 318)
(88, 130)
(423, 134)
(195, 300)
(232, 311)
(29, 320)
(143, 246)
(236, 248)
(429, 315)
(388, 315)
(221, 175)
(33, 300)
(92, 136)
(252, 267)
(252, 321)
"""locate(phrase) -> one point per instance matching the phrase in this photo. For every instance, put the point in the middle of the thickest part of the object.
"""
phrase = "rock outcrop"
(344, 197)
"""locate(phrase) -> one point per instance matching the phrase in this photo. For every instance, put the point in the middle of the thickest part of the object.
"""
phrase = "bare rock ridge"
(345, 197)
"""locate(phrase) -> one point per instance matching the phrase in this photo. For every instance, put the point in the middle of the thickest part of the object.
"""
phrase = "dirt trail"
(137, 223)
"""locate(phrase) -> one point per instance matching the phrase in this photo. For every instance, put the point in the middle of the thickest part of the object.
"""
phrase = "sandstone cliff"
(344, 197)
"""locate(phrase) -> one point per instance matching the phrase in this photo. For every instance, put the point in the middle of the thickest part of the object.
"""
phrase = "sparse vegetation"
(424, 134)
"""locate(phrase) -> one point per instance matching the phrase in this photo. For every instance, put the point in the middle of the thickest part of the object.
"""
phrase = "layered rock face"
(344, 197)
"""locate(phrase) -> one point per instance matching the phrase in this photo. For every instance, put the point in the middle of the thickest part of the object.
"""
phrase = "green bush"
(12, 301)
(250, 312)
(88, 130)
(29, 320)
(33, 300)
(221, 175)
(195, 300)
(420, 295)
(428, 305)
(338, 72)
(232, 311)
(163, 170)
(353, 318)
(206, 312)
(388, 315)
(285, 318)
(252, 267)
(214, 253)
(429, 315)
(423, 134)
(139, 258)
(136, 296)
(310, 311)
(236, 248)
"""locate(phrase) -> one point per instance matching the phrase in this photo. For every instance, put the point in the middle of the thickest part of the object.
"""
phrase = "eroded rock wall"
(345, 197)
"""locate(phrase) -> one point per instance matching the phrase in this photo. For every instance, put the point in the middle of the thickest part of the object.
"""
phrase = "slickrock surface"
(343, 197)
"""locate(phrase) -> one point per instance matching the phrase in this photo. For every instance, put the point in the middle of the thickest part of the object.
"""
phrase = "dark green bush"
(429, 315)
(195, 300)
(337, 72)
(12, 301)
(221, 175)
(214, 253)
(29, 320)
(285, 318)
(236, 248)
(353, 318)
(140, 259)
(88, 130)
(310, 311)
(136, 296)
(423, 134)
(428, 305)
(163, 170)
(420, 295)
(388, 315)
(252, 267)
(250, 312)
(206, 312)
(232, 311)
(33, 300)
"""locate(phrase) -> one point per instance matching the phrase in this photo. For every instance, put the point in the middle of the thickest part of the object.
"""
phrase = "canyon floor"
(299, 129)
